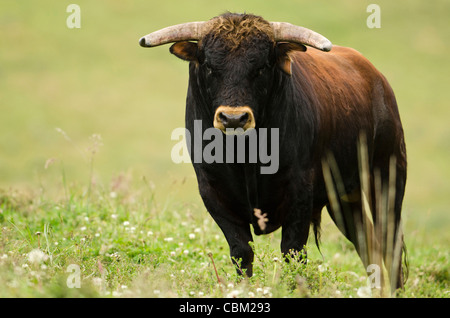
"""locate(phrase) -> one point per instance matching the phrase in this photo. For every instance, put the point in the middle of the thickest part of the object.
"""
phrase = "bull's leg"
(348, 217)
(238, 237)
(236, 230)
(387, 206)
(295, 228)
(383, 238)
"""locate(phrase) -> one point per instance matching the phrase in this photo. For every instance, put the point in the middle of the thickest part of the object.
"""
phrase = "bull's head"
(234, 60)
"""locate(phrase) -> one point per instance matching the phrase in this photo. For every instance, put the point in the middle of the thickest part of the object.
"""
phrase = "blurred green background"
(98, 80)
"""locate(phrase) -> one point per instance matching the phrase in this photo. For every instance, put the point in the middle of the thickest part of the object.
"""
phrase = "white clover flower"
(364, 292)
(97, 281)
(36, 256)
(233, 294)
(168, 239)
(126, 223)
(191, 236)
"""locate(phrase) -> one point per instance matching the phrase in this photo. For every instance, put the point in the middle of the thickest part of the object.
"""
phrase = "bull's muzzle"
(230, 118)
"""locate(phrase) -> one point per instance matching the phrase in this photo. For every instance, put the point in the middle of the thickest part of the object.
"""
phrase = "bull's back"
(350, 96)
(348, 93)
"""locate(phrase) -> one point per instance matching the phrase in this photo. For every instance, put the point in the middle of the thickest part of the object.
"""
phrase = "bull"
(247, 73)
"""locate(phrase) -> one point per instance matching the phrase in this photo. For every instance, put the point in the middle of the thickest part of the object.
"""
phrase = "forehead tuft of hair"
(235, 28)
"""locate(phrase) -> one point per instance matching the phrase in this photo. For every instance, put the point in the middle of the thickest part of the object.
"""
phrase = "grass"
(126, 241)
(97, 80)
(136, 248)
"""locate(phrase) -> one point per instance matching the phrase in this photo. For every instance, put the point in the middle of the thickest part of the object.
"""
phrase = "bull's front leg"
(295, 228)
(238, 236)
(235, 228)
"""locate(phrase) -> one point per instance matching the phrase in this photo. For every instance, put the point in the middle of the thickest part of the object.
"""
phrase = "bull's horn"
(190, 31)
(286, 32)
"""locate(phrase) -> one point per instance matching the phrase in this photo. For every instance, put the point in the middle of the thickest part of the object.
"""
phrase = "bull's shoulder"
(340, 61)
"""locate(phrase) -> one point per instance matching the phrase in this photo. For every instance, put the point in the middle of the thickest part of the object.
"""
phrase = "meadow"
(89, 194)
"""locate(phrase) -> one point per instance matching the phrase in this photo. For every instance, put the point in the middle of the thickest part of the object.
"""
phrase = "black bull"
(247, 73)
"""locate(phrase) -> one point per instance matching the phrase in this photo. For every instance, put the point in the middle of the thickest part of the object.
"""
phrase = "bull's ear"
(185, 50)
(283, 59)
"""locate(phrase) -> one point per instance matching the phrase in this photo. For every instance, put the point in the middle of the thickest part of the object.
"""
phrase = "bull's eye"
(260, 71)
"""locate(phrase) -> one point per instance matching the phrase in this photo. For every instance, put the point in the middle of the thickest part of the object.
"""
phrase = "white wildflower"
(36, 256)
(364, 292)
(97, 281)
(233, 294)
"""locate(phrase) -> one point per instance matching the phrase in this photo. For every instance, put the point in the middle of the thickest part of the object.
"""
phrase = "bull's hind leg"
(347, 214)
(373, 224)
(388, 189)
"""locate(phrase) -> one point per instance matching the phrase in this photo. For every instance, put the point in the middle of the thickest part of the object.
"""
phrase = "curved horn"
(190, 31)
(292, 33)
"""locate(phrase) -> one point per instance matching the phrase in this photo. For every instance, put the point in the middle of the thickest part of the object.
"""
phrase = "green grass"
(97, 80)
(127, 243)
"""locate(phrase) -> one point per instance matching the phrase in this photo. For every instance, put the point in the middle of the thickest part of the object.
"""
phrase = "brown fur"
(236, 29)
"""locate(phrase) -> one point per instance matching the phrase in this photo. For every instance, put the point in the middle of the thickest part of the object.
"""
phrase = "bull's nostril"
(244, 118)
(223, 118)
